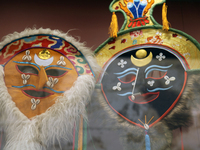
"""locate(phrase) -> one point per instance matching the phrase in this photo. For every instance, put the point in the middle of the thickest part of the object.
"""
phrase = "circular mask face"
(143, 84)
(35, 78)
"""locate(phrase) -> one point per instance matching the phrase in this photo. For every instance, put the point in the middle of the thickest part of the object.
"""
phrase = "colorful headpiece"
(47, 78)
(145, 82)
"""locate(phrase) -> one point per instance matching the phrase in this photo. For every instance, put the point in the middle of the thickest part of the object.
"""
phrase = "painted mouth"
(36, 93)
(144, 98)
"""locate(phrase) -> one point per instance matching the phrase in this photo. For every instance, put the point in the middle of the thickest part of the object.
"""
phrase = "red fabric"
(138, 22)
(13, 48)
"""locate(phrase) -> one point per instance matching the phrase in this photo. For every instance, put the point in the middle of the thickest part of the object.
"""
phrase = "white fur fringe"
(55, 124)
(80, 46)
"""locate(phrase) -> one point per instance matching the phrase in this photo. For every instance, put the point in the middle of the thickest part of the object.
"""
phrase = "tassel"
(113, 29)
(164, 17)
(147, 141)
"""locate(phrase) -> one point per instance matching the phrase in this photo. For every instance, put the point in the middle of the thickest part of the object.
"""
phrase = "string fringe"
(166, 24)
(113, 29)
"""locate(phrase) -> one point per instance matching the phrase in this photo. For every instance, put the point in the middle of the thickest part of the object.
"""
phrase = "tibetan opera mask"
(47, 79)
(38, 76)
(141, 78)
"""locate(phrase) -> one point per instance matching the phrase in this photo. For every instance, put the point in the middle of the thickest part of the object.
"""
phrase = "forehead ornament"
(141, 53)
(141, 62)
(61, 61)
(44, 54)
(43, 62)
(27, 56)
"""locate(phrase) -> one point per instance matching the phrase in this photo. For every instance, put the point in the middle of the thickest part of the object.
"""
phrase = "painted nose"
(139, 87)
(42, 78)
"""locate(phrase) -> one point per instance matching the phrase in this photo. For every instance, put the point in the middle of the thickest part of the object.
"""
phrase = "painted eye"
(156, 74)
(27, 69)
(55, 72)
(127, 78)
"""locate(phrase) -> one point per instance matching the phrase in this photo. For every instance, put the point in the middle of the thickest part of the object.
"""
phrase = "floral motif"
(167, 82)
(135, 34)
(52, 82)
(122, 63)
(27, 56)
(25, 78)
(138, 22)
(151, 83)
(154, 40)
(117, 87)
(160, 57)
(61, 61)
(34, 103)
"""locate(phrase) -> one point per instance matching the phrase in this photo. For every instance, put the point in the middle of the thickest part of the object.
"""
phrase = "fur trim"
(55, 124)
(132, 137)
(80, 46)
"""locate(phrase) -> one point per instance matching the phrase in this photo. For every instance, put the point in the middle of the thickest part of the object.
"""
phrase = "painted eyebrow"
(154, 69)
(156, 66)
(54, 90)
(19, 62)
(125, 71)
(24, 86)
(58, 67)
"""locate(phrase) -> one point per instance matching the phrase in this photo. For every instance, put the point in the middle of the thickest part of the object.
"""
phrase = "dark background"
(88, 19)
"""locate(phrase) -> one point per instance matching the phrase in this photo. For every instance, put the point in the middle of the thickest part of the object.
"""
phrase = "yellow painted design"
(142, 53)
(122, 5)
(125, 9)
(177, 42)
(113, 29)
(80, 134)
(150, 3)
(164, 17)
(142, 62)
(44, 54)
(74, 53)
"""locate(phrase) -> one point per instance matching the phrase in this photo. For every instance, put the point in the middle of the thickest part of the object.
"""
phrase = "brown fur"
(133, 137)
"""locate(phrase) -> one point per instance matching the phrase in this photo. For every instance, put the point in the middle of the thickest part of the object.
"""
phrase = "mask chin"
(55, 124)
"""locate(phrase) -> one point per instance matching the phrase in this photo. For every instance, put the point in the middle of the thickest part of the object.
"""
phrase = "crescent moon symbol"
(42, 62)
(142, 62)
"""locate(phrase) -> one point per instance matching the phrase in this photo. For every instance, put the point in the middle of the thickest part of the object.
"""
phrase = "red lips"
(36, 93)
(144, 98)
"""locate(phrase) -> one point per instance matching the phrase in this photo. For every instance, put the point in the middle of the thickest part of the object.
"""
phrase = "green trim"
(97, 86)
(84, 135)
(194, 41)
(124, 14)
(151, 12)
(193, 71)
